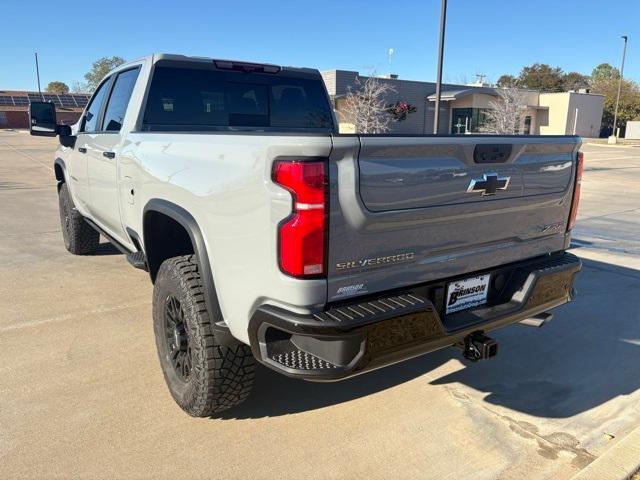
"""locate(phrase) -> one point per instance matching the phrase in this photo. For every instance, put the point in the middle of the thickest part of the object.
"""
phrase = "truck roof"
(156, 57)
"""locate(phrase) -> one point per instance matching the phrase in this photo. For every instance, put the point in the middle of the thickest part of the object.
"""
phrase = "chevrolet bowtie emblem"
(489, 184)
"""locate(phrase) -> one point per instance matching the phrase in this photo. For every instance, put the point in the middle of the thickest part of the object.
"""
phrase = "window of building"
(527, 125)
(119, 100)
(467, 120)
(3, 119)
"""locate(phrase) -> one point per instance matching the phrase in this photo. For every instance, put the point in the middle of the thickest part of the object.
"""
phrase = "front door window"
(467, 120)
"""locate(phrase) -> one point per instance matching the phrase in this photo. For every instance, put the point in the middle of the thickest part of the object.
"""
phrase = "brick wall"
(20, 118)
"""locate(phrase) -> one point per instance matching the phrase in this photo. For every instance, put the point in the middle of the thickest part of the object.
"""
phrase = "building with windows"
(463, 107)
(14, 107)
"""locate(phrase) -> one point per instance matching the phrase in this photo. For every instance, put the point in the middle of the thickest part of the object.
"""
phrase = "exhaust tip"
(572, 294)
(537, 321)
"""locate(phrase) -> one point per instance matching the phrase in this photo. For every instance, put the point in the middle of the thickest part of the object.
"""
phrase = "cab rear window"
(188, 99)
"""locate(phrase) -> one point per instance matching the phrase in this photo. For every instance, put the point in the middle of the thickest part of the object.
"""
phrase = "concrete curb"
(611, 146)
(618, 463)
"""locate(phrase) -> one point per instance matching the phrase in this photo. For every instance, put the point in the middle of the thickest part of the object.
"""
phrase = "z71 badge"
(376, 262)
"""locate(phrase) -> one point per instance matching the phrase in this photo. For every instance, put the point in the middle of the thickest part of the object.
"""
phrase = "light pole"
(443, 21)
(38, 75)
(615, 114)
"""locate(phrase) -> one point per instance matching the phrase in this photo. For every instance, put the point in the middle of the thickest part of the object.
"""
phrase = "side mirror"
(64, 130)
(66, 137)
(42, 116)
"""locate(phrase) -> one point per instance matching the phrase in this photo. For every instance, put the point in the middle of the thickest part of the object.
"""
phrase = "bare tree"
(79, 87)
(366, 106)
(505, 113)
(461, 79)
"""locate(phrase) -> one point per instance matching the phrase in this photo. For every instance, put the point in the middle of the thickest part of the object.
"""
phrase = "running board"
(138, 260)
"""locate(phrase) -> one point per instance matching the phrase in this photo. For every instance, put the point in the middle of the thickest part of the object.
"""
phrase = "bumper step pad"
(301, 360)
(373, 309)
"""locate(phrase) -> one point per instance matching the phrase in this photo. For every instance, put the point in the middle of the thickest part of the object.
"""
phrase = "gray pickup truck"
(268, 236)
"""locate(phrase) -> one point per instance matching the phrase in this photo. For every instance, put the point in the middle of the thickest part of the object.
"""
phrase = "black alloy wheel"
(178, 346)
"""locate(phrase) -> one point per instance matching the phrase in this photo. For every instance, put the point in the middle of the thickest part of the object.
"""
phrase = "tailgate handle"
(492, 153)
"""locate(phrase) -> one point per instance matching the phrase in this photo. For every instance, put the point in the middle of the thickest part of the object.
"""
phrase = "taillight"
(576, 192)
(301, 236)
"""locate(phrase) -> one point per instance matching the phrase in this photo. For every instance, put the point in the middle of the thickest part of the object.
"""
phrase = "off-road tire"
(220, 376)
(79, 237)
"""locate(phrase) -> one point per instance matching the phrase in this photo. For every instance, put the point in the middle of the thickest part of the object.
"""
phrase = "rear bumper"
(352, 338)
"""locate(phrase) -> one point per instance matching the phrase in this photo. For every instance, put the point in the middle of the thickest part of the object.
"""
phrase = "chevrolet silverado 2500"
(268, 236)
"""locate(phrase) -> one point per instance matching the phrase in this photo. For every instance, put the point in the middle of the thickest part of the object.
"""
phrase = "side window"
(119, 100)
(90, 121)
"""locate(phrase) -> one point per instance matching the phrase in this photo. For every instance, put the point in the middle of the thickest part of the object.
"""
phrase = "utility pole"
(443, 21)
(615, 115)
(38, 75)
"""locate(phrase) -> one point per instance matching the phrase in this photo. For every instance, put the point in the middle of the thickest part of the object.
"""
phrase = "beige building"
(463, 107)
(578, 113)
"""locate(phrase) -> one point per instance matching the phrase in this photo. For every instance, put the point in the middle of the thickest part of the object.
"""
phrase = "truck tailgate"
(408, 210)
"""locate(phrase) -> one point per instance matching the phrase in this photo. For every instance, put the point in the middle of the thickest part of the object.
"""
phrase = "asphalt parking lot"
(82, 395)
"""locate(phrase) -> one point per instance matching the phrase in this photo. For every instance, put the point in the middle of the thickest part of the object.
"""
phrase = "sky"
(491, 37)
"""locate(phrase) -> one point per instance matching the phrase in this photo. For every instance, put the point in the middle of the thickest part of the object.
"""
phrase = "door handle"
(82, 150)
(109, 154)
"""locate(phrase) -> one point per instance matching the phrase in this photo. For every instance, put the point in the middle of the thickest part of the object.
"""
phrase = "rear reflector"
(301, 236)
(576, 192)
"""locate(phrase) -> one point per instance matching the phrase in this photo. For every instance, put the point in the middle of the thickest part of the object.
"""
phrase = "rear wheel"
(203, 376)
(79, 237)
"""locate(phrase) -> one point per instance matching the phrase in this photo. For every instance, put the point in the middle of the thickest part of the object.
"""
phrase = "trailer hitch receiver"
(478, 346)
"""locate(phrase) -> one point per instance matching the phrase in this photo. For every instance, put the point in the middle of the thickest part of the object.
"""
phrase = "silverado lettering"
(369, 262)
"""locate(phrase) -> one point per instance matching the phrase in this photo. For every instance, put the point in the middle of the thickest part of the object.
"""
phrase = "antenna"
(390, 53)
(38, 75)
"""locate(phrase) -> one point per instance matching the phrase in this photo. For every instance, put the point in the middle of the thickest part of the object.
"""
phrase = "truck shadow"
(588, 355)
(106, 248)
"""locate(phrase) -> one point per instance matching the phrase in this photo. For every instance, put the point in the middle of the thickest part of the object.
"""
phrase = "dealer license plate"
(467, 293)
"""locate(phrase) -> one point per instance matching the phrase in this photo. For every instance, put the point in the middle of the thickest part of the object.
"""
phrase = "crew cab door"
(78, 165)
(102, 150)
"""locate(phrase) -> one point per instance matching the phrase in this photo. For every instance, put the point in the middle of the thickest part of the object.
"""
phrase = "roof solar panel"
(22, 100)
(50, 97)
(82, 100)
(69, 100)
